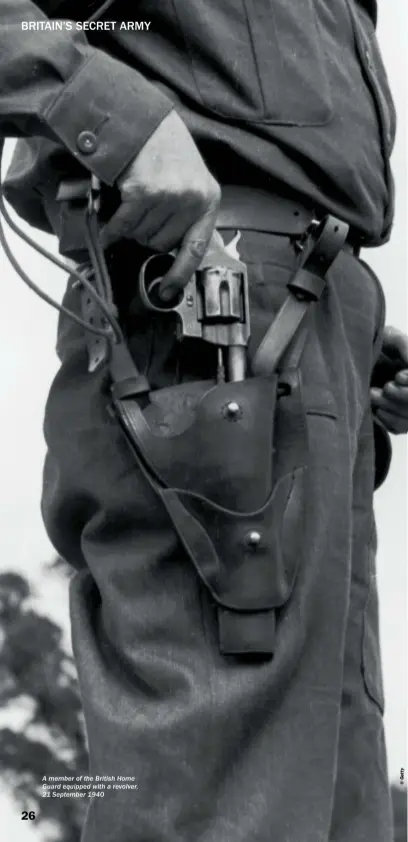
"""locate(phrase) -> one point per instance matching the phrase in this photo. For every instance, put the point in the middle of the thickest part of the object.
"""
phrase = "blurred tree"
(33, 664)
(36, 669)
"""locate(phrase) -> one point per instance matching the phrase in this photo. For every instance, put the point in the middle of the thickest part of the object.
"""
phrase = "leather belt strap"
(242, 207)
(254, 209)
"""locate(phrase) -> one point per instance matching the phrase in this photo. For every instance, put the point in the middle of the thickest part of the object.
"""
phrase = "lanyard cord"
(99, 12)
(102, 294)
(104, 300)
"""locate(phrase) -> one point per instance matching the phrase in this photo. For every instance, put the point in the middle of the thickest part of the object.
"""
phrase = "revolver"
(214, 305)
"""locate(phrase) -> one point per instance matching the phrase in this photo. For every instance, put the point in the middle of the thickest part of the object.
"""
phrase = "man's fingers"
(123, 223)
(171, 232)
(393, 423)
(390, 406)
(394, 392)
(402, 377)
(395, 343)
(161, 227)
(192, 250)
(383, 404)
(112, 231)
(376, 395)
(392, 395)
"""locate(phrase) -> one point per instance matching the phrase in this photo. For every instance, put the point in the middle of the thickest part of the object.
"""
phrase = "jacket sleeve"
(53, 83)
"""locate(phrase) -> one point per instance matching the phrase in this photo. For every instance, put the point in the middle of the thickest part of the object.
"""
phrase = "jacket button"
(87, 143)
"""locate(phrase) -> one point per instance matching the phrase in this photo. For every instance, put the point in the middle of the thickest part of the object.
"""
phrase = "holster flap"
(247, 561)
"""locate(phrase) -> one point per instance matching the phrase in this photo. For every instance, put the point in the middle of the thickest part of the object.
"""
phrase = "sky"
(28, 363)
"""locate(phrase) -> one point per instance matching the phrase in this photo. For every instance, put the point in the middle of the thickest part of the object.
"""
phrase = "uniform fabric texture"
(225, 749)
(288, 95)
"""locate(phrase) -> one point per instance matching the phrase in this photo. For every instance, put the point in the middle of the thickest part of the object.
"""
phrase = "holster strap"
(305, 288)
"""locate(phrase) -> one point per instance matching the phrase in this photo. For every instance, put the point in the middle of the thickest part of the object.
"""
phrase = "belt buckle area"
(300, 242)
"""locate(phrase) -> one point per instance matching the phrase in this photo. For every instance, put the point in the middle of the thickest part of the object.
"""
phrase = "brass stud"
(253, 539)
(233, 410)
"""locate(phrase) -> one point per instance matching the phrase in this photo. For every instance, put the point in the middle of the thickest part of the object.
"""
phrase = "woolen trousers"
(287, 749)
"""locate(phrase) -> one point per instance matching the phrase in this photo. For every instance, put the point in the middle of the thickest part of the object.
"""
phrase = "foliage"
(36, 670)
(34, 666)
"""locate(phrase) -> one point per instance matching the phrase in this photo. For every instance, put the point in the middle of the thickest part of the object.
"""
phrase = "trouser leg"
(222, 750)
(362, 802)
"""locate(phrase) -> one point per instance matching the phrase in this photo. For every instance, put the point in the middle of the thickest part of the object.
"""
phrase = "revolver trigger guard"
(150, 276)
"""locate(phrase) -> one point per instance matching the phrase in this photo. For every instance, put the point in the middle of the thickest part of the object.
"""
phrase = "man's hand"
(169, 200)
(390, 404)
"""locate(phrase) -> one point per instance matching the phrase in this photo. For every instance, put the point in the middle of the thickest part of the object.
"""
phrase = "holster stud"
(253, 539)
(232, 410)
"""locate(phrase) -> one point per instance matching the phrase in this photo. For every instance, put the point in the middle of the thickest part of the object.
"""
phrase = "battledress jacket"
(290, 96)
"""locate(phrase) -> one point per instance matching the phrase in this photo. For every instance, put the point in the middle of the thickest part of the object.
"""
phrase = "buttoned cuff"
(105, 115)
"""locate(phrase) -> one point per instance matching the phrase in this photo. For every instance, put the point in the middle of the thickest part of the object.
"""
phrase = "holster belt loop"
(320, 249)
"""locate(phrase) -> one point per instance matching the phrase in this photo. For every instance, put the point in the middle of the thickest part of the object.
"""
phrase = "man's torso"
(292, 97)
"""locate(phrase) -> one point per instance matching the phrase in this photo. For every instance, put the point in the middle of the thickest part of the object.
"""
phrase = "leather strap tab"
(318, 251)
(306, 284)
(127, 380)
(280, 334)
(247, 634)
